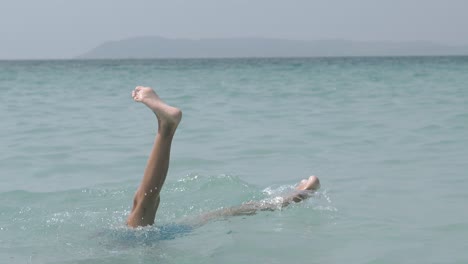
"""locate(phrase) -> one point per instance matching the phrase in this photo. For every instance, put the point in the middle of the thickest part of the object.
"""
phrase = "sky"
(33, 29)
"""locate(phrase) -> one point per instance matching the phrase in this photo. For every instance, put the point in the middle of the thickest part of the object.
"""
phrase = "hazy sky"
(67, 28)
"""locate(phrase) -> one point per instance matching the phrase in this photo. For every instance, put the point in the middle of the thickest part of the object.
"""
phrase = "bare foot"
(309, 184)
(168, 116)
(304, 189)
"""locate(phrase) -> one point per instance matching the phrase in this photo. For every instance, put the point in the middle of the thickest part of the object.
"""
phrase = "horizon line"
(311, 41)
(236, 58)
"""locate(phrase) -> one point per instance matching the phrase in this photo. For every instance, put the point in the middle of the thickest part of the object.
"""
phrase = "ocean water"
(388, 138)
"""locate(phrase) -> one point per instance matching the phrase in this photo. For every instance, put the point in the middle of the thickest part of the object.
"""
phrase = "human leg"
(147, 198)
(303, 190)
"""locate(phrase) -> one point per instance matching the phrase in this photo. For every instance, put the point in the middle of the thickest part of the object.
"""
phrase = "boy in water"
(146, 200)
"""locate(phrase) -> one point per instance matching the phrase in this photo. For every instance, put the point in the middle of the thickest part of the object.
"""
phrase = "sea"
(387, 137)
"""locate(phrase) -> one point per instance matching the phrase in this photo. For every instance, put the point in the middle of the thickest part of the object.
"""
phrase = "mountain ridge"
(160, 47)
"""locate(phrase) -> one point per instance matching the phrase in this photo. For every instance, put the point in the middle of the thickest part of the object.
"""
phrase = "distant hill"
(159, 47)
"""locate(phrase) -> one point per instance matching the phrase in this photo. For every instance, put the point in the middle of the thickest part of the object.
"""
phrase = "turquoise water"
(387, 137)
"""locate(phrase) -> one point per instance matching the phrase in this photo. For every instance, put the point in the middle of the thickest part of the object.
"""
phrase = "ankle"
(166, 130)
